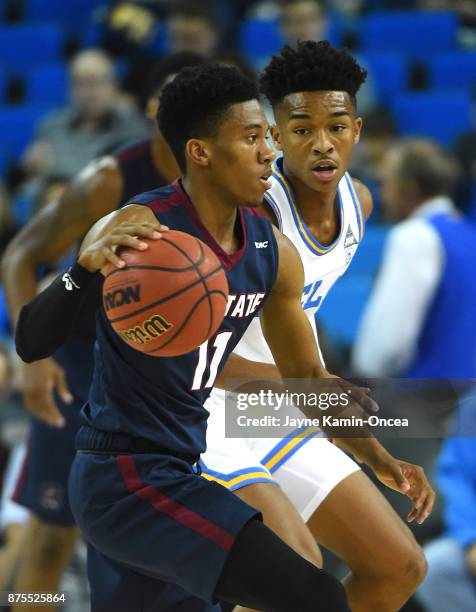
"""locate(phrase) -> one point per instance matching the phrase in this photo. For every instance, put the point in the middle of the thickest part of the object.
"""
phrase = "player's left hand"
(410, 480)
(102, 252)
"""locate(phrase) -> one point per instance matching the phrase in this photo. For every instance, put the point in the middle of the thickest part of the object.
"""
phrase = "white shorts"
(10, 511)
(306, 466)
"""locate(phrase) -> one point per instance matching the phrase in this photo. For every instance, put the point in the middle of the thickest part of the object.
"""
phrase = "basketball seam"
(184, 323)
(144, 267)
(164, 299)
(203, 278)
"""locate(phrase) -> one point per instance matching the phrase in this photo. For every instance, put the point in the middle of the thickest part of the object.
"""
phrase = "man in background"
(424, 301)
(97, 120)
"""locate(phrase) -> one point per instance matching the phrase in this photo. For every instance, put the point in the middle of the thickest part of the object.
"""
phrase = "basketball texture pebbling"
(170, 298)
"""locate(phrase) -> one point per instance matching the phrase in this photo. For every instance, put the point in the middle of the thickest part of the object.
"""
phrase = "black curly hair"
(197, 100)
(311, 66)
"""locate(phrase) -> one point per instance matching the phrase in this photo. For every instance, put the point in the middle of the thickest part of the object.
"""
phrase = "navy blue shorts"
(42, 485)
(154, 515)
(115, 587)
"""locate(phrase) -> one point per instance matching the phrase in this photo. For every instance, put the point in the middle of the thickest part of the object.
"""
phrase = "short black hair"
(194, 103)
(311, 66)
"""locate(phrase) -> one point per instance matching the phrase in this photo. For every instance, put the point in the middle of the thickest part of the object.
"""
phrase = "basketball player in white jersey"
(315, 202)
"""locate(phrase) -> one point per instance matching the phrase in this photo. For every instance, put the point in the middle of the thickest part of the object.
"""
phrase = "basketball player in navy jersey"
(56, 388)
(160, 536)
(322, 210)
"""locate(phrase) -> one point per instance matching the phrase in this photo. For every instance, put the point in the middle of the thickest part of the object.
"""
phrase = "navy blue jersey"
(160, 399)
(139, 174)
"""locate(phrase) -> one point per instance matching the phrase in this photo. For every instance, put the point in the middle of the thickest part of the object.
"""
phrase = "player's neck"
(163, 159)
(215, 213)
(319, 210)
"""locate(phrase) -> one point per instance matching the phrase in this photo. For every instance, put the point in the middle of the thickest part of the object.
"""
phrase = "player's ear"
(276, 136)
(357, 129)
(198, 151)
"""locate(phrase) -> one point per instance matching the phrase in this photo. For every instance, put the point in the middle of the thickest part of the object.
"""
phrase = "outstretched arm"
(46, 322)
(95, 192)
(50, 234)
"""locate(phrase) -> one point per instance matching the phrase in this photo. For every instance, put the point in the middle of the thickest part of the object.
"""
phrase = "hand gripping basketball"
(169, 298)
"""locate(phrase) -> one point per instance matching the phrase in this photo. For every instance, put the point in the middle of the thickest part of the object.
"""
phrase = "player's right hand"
(98, 254)
(39, 380)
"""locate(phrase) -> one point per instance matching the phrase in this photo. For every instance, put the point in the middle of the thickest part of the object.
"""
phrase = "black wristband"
(45, 323)
(77, 276)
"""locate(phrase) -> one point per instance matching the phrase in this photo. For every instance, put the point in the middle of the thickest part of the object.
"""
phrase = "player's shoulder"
(132, 151)
(290, 269)
(365, 196)
(287, 249)
(159, 199)
(102, 172)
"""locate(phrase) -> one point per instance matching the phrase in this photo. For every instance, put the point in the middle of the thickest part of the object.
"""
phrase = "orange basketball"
(170, 298)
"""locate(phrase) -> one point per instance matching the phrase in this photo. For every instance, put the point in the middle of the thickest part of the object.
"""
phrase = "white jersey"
(322, 264)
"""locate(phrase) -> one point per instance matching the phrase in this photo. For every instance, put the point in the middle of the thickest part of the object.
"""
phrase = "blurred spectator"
(132, 26)
(419, 322)
(451, 580)
(192, 26)
(303, 20)
(97, 121)
(7, 228)
(229, 58)
(465, 151)
(308, 20)
(378, 136)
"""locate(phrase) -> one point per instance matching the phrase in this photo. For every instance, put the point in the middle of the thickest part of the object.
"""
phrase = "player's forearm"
(46, 322)
(368, 449)
(238, 367)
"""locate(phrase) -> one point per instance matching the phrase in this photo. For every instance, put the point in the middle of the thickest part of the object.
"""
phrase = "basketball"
(170, 298)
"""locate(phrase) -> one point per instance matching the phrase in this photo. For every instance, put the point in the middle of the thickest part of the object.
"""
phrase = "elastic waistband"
(89, 439)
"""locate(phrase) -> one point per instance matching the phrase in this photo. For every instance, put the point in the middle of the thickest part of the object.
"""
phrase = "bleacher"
(33, 39)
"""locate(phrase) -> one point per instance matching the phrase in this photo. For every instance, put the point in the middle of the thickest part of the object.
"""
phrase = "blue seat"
(48, 84)
(3, 83)
(17, 125)
(23, 46)
(416, 33)
(369, 255)
(73, 12)
(439, 115)
(342, 309)
(389, 71)
(453, 70)
(259, 38)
